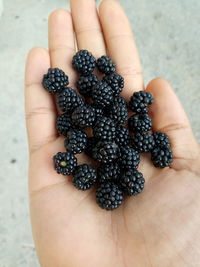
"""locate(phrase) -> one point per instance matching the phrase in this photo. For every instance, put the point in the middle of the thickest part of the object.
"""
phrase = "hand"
(159, 227)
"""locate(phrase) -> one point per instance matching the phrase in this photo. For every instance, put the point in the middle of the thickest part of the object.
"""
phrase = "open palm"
(159, 227)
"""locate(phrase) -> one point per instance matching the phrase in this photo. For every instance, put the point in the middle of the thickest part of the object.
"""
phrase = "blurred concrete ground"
(168, 36)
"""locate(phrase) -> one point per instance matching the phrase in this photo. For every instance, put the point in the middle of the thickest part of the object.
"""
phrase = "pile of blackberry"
(116, 139)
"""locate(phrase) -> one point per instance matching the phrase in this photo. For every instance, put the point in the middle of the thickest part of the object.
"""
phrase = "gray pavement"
(168, 36)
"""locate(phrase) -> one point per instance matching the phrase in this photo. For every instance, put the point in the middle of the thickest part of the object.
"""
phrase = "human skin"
(159, 227)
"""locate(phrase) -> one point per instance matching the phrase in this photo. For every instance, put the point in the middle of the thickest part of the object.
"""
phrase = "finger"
(61, 42)
(120, 45)
(169, 117)
(39, 106)
(87, 27)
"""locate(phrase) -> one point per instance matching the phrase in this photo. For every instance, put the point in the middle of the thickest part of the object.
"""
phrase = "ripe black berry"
(83, 116)
(102, 95)
(105, 151)
(118, 111)
(139, 102)
(86, 83)
(64, 163)
(104, 129)
(116, 82)
(76, 141)
(109, 172)
(109, 196)
(161, 156)
(140, 123)
(68, 100)
(84, 62)
(84, 177)
(105, 65)
(64, 124)
(122, 136)
(98, 111)
(129, 158)
(161, 139)
(143, 142)
(132, 182)
(55, 80)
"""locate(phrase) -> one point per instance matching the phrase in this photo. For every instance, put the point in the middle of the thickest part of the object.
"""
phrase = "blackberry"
(91, 143)
(143, 142)
(102, 94)
(109, 196)
(108, 172)
(83, 116)
(139, 102)
(64, 163)
(116, 82)
(63, 124)
(132, 182)
(118, 112)
(161, 139)
(122, 136)
(161, 156)
(55, 80)
(86, 83)
(68, 100)
(116, 100)
(140, 123)
(98, 111)
(104, 129)
(84, 177)
(76, 141)
(84, 62)
(105, 152)
(105, 65)
(129, 158)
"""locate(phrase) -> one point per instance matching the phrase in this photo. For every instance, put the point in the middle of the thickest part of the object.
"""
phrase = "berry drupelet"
(83, 116)
(104, 129)
(84, 177)
(102, 95)
(140, 123)
(161, 156)
(129, 158)
(109, 196)
(64, 163)
(139, 102)
(64, 124)
(84, 62)
(105, 152)
(109, 172)
(116, 82)
(86, 83)
(55, 80)
(132, 182)
(143, 142)
(68, 100)
(76, 141)
(105, 65)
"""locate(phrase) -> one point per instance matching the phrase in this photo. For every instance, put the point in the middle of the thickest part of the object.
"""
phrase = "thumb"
(169, 117)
